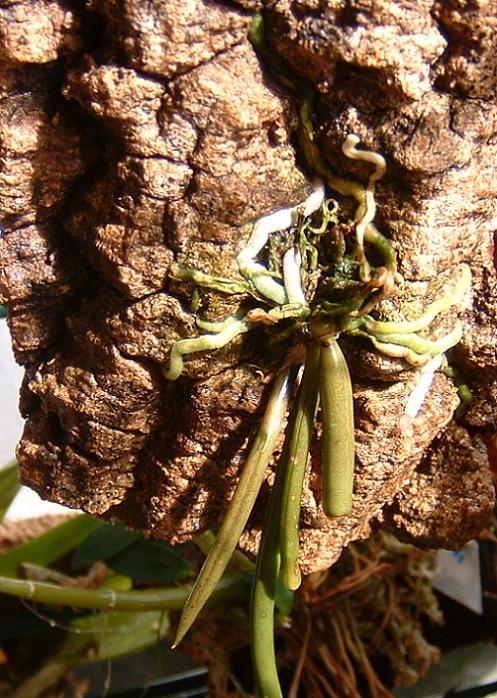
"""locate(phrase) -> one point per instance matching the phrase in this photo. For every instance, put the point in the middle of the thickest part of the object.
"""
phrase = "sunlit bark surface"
(137, 134)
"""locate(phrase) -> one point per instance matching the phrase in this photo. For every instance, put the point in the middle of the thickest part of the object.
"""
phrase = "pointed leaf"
(9, 487)
(50, 546)
(116, 634)
(107, 540)
(150, 561)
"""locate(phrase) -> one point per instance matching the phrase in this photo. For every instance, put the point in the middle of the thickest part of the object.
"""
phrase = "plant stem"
(232, 587)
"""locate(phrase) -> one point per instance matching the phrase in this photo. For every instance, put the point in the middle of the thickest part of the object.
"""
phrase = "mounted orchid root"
(306, 280)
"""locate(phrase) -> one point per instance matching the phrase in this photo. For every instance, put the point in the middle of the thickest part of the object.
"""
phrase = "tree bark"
(137, 134)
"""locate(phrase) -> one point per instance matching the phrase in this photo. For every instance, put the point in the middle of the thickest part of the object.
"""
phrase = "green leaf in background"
(117, 582)
(50, 546)
(463, 668)
(118, 633)
(150, 561)
(9, 487)
(3, 312)
(110, 635)
(107, 540)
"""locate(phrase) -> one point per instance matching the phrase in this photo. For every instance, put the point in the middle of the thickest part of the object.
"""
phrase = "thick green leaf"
(9, 487)
(107, 540)
(150, 561)
(115, 634)
(50, 546)
(123, 633)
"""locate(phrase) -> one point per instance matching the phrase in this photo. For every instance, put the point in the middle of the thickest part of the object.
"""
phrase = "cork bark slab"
(133, 135)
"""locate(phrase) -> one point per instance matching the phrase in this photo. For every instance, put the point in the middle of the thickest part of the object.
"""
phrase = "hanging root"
(367, 208)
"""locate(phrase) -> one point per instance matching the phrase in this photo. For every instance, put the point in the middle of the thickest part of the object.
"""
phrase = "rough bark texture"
(134, 134)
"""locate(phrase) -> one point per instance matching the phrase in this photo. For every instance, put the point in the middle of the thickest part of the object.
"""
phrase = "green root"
(453, 297)
(206, 342)
(301, 427)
